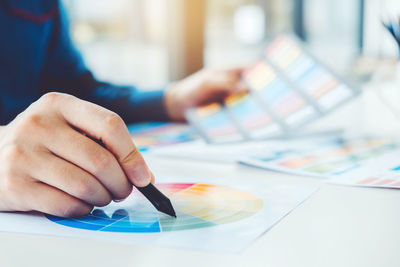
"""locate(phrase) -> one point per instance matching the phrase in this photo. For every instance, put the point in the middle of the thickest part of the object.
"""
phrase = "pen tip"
(167, 208)
(172, 213)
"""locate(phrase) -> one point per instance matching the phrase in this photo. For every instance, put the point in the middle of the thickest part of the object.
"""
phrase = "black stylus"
(158, 199)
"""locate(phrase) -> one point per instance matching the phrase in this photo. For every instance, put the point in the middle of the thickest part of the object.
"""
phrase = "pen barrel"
(153, 195)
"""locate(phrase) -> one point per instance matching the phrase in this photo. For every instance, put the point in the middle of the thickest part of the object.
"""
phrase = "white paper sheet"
(211, 217)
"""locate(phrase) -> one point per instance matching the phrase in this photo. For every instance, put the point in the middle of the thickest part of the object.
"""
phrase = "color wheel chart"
(197, 206)
(209, 217)
(288, 89)
(157, 134)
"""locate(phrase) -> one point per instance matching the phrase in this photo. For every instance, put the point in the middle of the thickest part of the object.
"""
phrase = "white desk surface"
(338, 226)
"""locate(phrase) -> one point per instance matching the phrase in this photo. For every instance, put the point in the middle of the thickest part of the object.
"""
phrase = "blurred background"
(152, 42)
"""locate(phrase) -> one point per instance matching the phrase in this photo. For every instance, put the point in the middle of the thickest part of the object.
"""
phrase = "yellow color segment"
(218, 204)
(289, 58)
(260, 76)
(236, 98)
(208, 109)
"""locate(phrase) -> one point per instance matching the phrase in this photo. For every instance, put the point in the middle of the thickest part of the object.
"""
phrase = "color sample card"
(216, 122)
(288, 89)
(159, 134)
(209, 217)
(325, 160)
(383, 172)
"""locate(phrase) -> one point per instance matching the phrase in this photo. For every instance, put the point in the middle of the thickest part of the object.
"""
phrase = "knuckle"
(86, 188)
(101, 162)
(74, 209)
(50, 98)
(104, 202)
(127, 191)
(11, 157)
(113, 123)
(133, 156)
(10, 185)
(32, 121)
(13, 153)
(89, 190)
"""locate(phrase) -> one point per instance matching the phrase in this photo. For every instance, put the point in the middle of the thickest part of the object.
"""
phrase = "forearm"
(132, 104)
(65, 71)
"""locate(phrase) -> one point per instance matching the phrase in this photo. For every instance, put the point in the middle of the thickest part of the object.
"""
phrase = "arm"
(66, 72)
(44, 146)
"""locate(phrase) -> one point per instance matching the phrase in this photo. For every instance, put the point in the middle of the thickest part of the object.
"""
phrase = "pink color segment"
(170, 189)
(368, 180)
(384, 182)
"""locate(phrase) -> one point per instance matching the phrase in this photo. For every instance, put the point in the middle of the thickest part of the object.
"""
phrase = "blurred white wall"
(125, 41)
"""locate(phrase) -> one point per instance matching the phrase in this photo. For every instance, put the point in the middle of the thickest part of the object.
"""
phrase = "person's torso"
(26, 27)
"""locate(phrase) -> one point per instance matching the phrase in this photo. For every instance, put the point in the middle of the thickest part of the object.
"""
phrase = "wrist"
(173, 105)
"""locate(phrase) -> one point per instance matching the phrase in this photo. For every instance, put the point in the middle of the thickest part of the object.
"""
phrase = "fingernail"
(141, 176)
(119, 200)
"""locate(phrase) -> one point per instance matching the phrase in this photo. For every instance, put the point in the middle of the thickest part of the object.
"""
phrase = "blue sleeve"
(65, 71)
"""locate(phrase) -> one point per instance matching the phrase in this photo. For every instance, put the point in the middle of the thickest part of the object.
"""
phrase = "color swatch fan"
(288, 89)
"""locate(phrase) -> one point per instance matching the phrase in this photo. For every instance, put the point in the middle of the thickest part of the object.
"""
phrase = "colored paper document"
(383, 172)
(232, 152)
(289, 88)
(210, 216)
(325, 160)
(160, 134)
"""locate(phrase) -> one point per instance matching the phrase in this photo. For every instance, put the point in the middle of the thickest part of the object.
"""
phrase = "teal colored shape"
(116, 229)
(145, 126)
(183, 222)
(396, 168)
(133, 227)
(94, 220)
(141, 219)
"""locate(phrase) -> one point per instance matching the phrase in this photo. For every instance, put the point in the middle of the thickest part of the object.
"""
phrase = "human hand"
(49, 165)
(201, 88)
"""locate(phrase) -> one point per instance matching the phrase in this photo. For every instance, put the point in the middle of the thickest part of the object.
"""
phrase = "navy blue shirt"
(37, 56)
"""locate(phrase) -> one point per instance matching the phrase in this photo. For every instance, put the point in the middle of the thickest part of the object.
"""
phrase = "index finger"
(108, 127)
